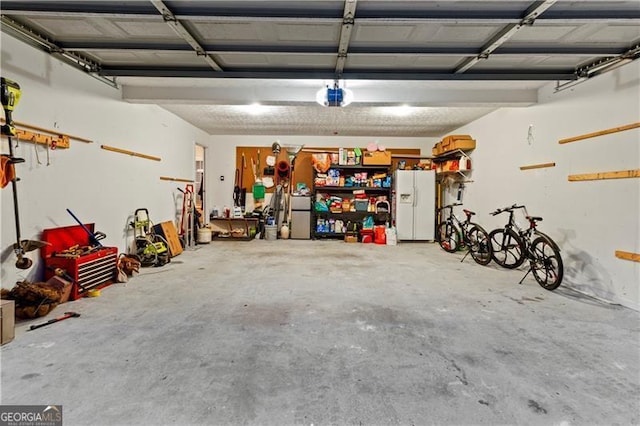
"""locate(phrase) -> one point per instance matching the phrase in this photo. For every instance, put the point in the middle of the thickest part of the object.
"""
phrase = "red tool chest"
(93, 270)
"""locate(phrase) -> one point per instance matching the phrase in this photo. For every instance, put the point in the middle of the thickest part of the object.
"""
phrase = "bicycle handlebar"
(507, 209)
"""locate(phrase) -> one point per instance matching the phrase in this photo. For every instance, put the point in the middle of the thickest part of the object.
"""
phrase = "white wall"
(98, 186)
(589, 220)
(221, 155)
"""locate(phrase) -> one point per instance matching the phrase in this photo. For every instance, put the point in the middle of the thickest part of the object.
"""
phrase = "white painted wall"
(221, 152)
(97, 185)
(589, 220)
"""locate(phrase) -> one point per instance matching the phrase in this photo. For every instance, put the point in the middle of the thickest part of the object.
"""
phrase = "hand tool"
(10, 95)
(94, 238)
(51, 321)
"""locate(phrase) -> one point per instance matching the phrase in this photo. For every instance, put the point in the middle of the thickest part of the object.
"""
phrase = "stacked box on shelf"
(453, 142)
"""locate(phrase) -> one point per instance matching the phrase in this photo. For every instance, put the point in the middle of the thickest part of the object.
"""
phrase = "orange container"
(380, 234)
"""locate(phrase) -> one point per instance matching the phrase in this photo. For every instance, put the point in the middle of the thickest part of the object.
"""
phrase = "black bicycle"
(453, 235)
(510, 246)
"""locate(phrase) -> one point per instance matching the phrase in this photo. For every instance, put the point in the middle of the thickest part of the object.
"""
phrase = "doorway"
(200, 184)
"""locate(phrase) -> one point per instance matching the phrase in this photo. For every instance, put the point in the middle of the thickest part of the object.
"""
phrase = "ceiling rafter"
(505, 34)
(348, 21)
(96, 46)
(329, 74)
(180, 29)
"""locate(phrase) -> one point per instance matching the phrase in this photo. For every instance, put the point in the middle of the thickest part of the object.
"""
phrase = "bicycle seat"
(534, 219)
(468, 212)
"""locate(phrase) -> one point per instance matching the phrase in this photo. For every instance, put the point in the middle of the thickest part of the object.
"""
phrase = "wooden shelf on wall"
(621, 174)
(173, 179)
(131, 153)
(537, 166)
(600, 133)
(626, 255)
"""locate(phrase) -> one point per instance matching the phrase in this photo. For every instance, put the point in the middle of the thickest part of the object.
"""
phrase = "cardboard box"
(449, 139)
(350, 238)
(66, 292)
(376, 158)
(169, 232)
(452, 142)
(7, 321)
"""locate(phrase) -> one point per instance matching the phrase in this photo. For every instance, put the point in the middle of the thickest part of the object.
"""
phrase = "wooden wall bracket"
(132, 153)
(52, 131)
(600, 133)
(58, 141)
(176, 179)
(622, 174)
(537, 166)
(626, 255)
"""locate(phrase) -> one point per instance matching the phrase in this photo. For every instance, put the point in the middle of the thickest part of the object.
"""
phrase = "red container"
(366, 235)
(380, 234)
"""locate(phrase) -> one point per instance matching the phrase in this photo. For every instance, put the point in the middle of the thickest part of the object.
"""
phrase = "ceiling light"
(334, 97)
(399, 111)
(253, 109)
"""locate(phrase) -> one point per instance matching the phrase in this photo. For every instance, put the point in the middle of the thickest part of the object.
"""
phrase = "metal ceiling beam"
(97, 46)
(505, 34)
(42, 42)
(329, 74)
(206, 11)
(177, 26)
(301, 95)
(619, 19)
(348, 21)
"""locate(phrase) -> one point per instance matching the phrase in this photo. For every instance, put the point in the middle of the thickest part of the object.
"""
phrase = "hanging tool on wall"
(10, 95)
(243, 190)
(236, 189)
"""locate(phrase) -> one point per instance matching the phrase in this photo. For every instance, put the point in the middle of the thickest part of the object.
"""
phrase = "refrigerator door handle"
(415, 196)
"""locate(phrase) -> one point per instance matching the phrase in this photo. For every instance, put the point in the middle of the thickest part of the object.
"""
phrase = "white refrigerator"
(415, 204)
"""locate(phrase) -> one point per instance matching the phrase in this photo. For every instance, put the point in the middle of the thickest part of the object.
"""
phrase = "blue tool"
(94, 238)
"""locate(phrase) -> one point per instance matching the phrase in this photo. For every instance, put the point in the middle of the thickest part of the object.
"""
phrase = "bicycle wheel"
(507, 248)
(479, 245)
(448, 237)
(546, 263)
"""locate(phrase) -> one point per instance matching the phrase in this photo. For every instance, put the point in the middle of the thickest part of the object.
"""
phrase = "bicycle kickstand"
(525, 275)
(465, 256)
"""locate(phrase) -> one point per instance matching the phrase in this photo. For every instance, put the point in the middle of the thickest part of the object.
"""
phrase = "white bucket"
(271, 232)
(204, 236)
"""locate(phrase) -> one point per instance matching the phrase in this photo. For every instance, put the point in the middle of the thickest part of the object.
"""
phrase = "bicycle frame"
(462, 226)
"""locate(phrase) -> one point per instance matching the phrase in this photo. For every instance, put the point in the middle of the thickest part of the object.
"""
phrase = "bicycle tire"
(479, 244)
(546, 263)
(507, 248)
(448, 237)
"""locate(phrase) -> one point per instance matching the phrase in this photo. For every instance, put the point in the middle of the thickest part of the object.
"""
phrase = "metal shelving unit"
(352, 216)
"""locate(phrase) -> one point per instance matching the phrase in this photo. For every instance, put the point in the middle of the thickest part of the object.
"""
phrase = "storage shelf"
(451, 154)
(346, 214)
(347, 192)
(326, 188)
(360, 166)
(449, 172)
(228, 223)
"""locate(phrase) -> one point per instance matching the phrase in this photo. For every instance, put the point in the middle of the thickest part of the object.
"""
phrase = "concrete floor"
(323, 332)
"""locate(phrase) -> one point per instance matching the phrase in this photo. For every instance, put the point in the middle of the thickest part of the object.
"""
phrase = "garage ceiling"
(416, 68)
